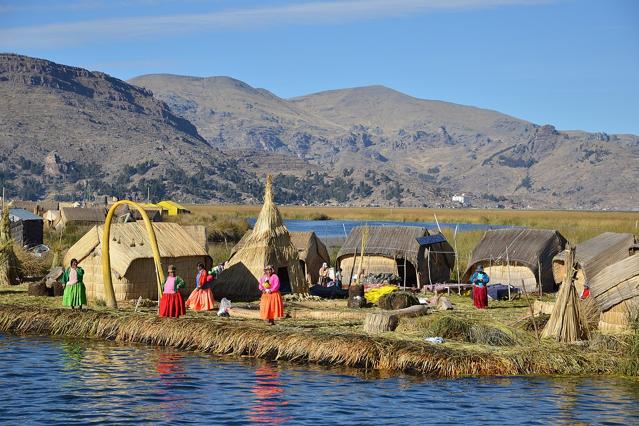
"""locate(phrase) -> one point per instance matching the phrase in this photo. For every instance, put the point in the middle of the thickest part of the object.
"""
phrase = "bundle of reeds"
(567, 322)
(220, 336)
(9, 265)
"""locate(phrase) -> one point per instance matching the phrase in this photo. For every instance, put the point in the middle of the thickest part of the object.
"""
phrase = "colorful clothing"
(171, 303)
(201, 299)
(75, 293)
(271, 306)
(480, 282)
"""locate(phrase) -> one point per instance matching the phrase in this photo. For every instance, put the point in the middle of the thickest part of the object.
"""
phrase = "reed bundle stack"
(8, 260)
(378, 322)
(567, 321)
(268, 244)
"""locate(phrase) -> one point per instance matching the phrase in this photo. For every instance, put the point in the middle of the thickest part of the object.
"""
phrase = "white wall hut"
(615, 290)
(513, 256)
(132, 267)
(389, 248)
(593, 255)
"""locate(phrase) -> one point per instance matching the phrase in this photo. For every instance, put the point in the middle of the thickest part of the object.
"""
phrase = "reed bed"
(239, 338)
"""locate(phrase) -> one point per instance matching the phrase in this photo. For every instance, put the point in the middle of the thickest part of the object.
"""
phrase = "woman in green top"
(75, 294)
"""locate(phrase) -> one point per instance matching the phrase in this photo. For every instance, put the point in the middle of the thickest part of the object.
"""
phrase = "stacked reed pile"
(220, 336)
(8, 260)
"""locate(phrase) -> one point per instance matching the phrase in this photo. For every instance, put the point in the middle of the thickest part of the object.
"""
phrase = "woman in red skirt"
(271, 306)
(171, 303)
(480, 288)
(201, 299)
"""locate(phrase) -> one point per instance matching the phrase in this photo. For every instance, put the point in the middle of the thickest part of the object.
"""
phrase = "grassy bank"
(477, 342)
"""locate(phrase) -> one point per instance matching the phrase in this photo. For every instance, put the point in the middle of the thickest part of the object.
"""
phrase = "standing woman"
(75, 294)
(271, 306)
(201, 299)
(171, 303)
(480, 288)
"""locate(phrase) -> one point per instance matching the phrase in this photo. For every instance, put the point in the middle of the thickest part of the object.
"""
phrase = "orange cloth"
(271, 306)
(201, 299)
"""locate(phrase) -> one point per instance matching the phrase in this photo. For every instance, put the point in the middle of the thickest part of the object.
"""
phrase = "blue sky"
(571, 63)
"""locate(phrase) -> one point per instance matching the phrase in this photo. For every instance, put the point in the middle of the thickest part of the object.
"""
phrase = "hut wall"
(139, 279)
(616, 318)
(499, 275)
(371, 265)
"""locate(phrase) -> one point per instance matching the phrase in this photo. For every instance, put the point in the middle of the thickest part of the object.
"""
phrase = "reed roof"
(596, 253)
(616, 283)
(392, 242)
(129, 242)
(83, 214)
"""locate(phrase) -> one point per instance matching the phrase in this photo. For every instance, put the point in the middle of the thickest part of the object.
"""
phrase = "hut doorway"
(285, 281)
(411, 273)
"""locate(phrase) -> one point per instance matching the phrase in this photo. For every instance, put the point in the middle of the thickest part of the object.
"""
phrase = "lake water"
(341, 228)
(68, 381)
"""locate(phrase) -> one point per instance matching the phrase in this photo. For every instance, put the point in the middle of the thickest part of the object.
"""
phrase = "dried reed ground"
(328, 342)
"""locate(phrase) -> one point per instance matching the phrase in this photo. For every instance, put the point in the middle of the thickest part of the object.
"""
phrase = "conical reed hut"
(567, 321)
(8, 259)
(269, 244)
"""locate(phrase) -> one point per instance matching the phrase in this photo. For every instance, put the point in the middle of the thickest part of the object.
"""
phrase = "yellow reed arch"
(109, 294)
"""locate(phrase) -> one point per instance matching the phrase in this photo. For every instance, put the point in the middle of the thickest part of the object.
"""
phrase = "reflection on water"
(268, 403)
(65, 381)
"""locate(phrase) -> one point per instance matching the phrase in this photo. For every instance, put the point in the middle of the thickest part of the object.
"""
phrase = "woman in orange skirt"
(201, 299)
(171, 303)
(271, 306)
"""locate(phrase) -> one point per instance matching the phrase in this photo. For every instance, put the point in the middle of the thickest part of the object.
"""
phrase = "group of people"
(325, 279)
(172, 303)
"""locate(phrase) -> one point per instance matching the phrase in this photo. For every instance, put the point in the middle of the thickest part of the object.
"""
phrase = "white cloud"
(318, 12)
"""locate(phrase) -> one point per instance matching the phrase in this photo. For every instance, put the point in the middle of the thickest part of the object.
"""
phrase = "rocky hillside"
(374, 145)
(73, 133)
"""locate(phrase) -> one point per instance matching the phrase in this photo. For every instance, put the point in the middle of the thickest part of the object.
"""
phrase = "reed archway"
(109, 293)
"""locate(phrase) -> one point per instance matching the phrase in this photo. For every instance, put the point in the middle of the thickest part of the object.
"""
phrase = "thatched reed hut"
(395, 250)
(311, 251)
(510, 256)
(269, 244)
(615, 290)
(132, 267)
(593, 255)
(80, 216)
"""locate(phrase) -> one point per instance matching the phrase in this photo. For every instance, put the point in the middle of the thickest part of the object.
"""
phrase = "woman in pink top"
(271, 305)
(171, 303)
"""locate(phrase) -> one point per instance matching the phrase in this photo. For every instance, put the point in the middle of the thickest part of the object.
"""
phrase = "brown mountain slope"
(87, 127)
(413, 150)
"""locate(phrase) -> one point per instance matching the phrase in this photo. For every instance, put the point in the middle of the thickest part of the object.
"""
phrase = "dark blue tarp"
(333, 292)
(431, 239)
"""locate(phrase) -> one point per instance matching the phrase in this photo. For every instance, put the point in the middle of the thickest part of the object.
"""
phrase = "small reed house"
(519, 257)
(396, 250)
(132, 267)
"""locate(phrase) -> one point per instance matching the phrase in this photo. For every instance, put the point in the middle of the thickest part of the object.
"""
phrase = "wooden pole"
(541, 290)
(508, 269)
(457, 261)
(404, 270)
(350, 280)
(430, 278)
(532, 312)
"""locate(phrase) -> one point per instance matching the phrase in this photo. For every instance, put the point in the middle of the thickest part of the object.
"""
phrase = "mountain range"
(213, 139)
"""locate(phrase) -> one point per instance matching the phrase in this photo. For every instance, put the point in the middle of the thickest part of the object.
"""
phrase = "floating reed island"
(476, 343)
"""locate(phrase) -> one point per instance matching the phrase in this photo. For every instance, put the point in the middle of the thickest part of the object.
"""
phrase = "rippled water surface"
(63, 381)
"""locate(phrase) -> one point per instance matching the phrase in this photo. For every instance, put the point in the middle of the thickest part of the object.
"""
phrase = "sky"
(570, 63)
